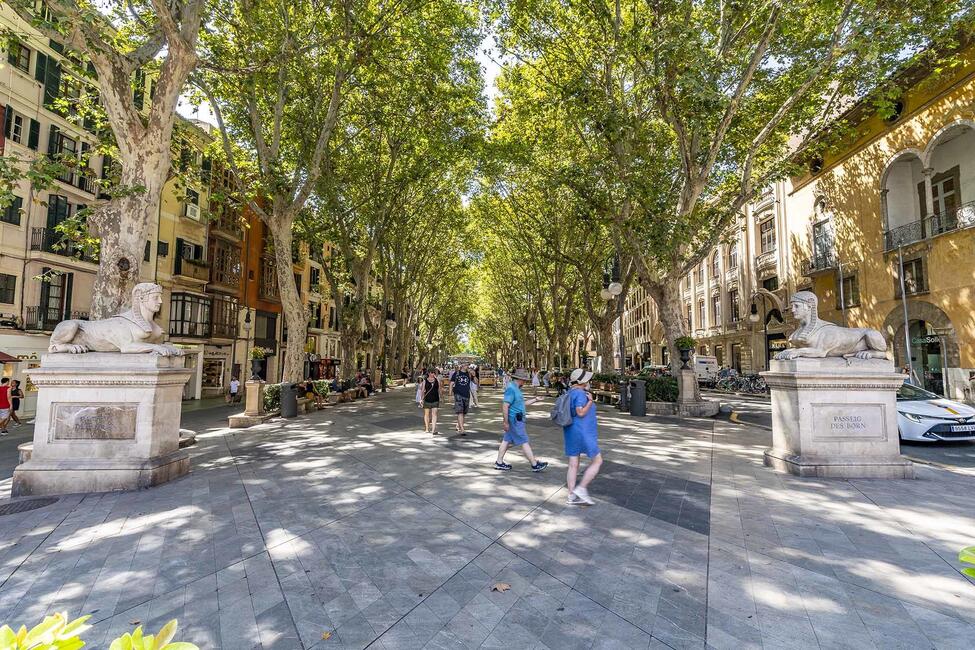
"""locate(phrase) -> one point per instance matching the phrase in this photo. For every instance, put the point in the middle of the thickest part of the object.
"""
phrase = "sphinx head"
(805, 306)
(146, 302)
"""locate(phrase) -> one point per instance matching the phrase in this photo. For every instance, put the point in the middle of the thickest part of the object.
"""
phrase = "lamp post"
(613, 290)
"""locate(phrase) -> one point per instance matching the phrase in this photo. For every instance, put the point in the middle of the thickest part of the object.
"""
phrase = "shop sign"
(924, 340)
(779, 344)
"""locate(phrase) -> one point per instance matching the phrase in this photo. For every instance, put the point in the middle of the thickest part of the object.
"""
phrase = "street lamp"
(613, 290)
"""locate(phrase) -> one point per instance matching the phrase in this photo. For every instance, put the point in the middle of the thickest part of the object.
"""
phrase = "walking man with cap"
(581, 438)
(513, 413)
(460, 386)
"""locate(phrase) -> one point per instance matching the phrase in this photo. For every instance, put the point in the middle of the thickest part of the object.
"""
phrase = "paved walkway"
(352, 525)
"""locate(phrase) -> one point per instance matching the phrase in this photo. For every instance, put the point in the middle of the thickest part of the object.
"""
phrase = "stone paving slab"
(351, 528)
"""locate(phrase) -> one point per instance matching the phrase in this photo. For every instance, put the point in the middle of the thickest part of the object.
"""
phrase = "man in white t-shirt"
(234, 396)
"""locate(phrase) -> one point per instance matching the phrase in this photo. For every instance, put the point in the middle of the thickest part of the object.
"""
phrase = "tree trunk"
(667, 298)
(605, 344)
(295, 312)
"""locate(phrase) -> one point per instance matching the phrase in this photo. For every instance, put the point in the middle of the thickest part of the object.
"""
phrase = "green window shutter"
(34, 135)
(8, 120)
(45, 295)
(53, 143)
(52, 82)
(56, 46)
(68, 287)
(40, 68)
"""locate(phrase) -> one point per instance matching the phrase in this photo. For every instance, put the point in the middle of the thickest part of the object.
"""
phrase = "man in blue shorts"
(513, 412)
(581, 438)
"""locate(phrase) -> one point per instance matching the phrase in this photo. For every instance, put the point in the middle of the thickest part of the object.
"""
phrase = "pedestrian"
(474, 386)
(4, 405)
(431, 401)
(513, 416)
(460, 387)
(16, 394)
(581, 437)
(536, 382)
(234, 395)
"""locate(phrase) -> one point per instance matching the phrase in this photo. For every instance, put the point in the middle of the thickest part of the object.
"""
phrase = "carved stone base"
(105, 421)
(835, 419)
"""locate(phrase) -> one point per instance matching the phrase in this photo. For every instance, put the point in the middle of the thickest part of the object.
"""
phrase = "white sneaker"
(573, 500)
(583, 495)
(4, 432)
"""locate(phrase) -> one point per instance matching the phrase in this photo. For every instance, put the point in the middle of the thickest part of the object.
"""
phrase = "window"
(189, 315)
(715, 265)
(945, 192)
(766, 231)
(8, 288)
(162, 249)
(734, 301)
(701, 319)
(688, 309)
(915, 280)
(700, 273)
(733, 256)
(716, 309)
(316, 278)
(224, 262)
(18, 55)
(771, 284)
(223, 314)
(11, 213)
(298, 282)
(17, 129)
(192, 196)
(822, 243)
(268, 287)
(849, 296)
(266, 329)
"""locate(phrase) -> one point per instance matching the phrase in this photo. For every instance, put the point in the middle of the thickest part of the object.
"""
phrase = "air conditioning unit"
(193, 211)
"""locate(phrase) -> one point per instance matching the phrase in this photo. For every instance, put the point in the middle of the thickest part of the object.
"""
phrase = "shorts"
(431, 405)
(461, 404)
(4, 414)
(577, 443)
(516, 434)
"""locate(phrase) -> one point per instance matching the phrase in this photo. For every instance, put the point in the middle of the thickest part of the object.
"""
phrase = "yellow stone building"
(893, 206)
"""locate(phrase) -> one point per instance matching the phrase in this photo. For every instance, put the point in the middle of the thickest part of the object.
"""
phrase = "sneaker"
(573, 500)
(584, 497)
(5, 432)
(504, 467)
(539, 466)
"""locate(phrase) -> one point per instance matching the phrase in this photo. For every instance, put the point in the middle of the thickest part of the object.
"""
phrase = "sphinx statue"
(817, 338)
(132, 331)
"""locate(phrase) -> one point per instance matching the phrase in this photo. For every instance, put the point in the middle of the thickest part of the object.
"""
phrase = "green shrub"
(685, 343)
(55, 632)
(662, 389)
(323, 386)
(272, 397)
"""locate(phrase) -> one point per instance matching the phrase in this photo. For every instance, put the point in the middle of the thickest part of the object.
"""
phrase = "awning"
(6, 358)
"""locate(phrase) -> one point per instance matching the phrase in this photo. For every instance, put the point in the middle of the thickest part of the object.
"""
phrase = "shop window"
(212, 373)
(850, 294)
(8, 288)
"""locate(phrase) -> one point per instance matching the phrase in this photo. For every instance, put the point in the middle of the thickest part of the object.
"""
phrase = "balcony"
(957, 218)
(45, 318)
(766, 260)
(819, 263)
(197, 270)
(766, 198)
(48, 240)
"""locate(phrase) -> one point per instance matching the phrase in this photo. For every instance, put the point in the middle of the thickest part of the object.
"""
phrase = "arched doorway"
(933, 344)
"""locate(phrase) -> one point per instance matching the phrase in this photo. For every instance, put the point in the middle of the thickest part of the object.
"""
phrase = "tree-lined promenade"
(623, 142)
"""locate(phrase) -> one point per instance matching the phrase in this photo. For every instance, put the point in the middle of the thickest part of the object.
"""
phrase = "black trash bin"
(289, 400)
(638, 397)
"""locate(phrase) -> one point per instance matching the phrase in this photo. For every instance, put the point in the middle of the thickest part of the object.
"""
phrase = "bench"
(606, 396)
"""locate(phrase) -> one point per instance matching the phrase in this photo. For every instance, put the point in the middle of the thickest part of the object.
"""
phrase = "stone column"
(253, 398)
(835, 419)
(105, 421)
(690, 403)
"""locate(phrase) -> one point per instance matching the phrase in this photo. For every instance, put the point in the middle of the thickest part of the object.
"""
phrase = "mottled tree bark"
(295, 312)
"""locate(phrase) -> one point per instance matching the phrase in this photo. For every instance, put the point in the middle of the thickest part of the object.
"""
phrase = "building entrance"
(927, 357)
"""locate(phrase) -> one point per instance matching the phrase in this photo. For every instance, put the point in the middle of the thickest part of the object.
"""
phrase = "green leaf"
(165, 635)
(180, 645)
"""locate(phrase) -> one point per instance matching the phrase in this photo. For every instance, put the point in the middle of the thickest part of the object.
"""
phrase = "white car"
(925, 417)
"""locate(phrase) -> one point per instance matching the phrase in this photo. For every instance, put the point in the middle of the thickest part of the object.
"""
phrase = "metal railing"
(956, 218)
(49, 240)
(818, 263)
(46, 318)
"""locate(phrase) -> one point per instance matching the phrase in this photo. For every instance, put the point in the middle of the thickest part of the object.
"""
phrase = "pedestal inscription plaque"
(94, 421)
(852, 422)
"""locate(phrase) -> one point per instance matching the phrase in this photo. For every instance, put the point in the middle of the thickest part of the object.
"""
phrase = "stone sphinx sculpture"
(132, 331)
(817, 338)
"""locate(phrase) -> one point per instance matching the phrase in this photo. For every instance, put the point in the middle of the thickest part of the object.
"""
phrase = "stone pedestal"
(253, 407)
(690, 403)
(833, 418)
(105, 421)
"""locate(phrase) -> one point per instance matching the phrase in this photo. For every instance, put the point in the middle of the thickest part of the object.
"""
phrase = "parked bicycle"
(750, 384)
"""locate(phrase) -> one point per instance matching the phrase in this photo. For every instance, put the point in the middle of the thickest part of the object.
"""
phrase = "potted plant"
(257, 354)
(685, 344)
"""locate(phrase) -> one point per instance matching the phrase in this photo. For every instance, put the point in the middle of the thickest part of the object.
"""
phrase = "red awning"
(6, 358)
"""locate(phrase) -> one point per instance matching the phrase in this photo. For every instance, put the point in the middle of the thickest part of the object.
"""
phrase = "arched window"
(715, 265)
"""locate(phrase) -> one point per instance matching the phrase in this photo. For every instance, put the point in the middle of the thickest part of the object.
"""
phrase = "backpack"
(561, 412)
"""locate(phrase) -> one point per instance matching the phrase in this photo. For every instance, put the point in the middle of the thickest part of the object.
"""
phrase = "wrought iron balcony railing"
(819, 263)
(957, 218)
(49, 240)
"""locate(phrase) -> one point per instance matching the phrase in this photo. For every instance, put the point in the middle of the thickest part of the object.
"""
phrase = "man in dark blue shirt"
(460, 386)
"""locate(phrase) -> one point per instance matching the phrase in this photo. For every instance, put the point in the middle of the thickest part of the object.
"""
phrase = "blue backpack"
(561, 412)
